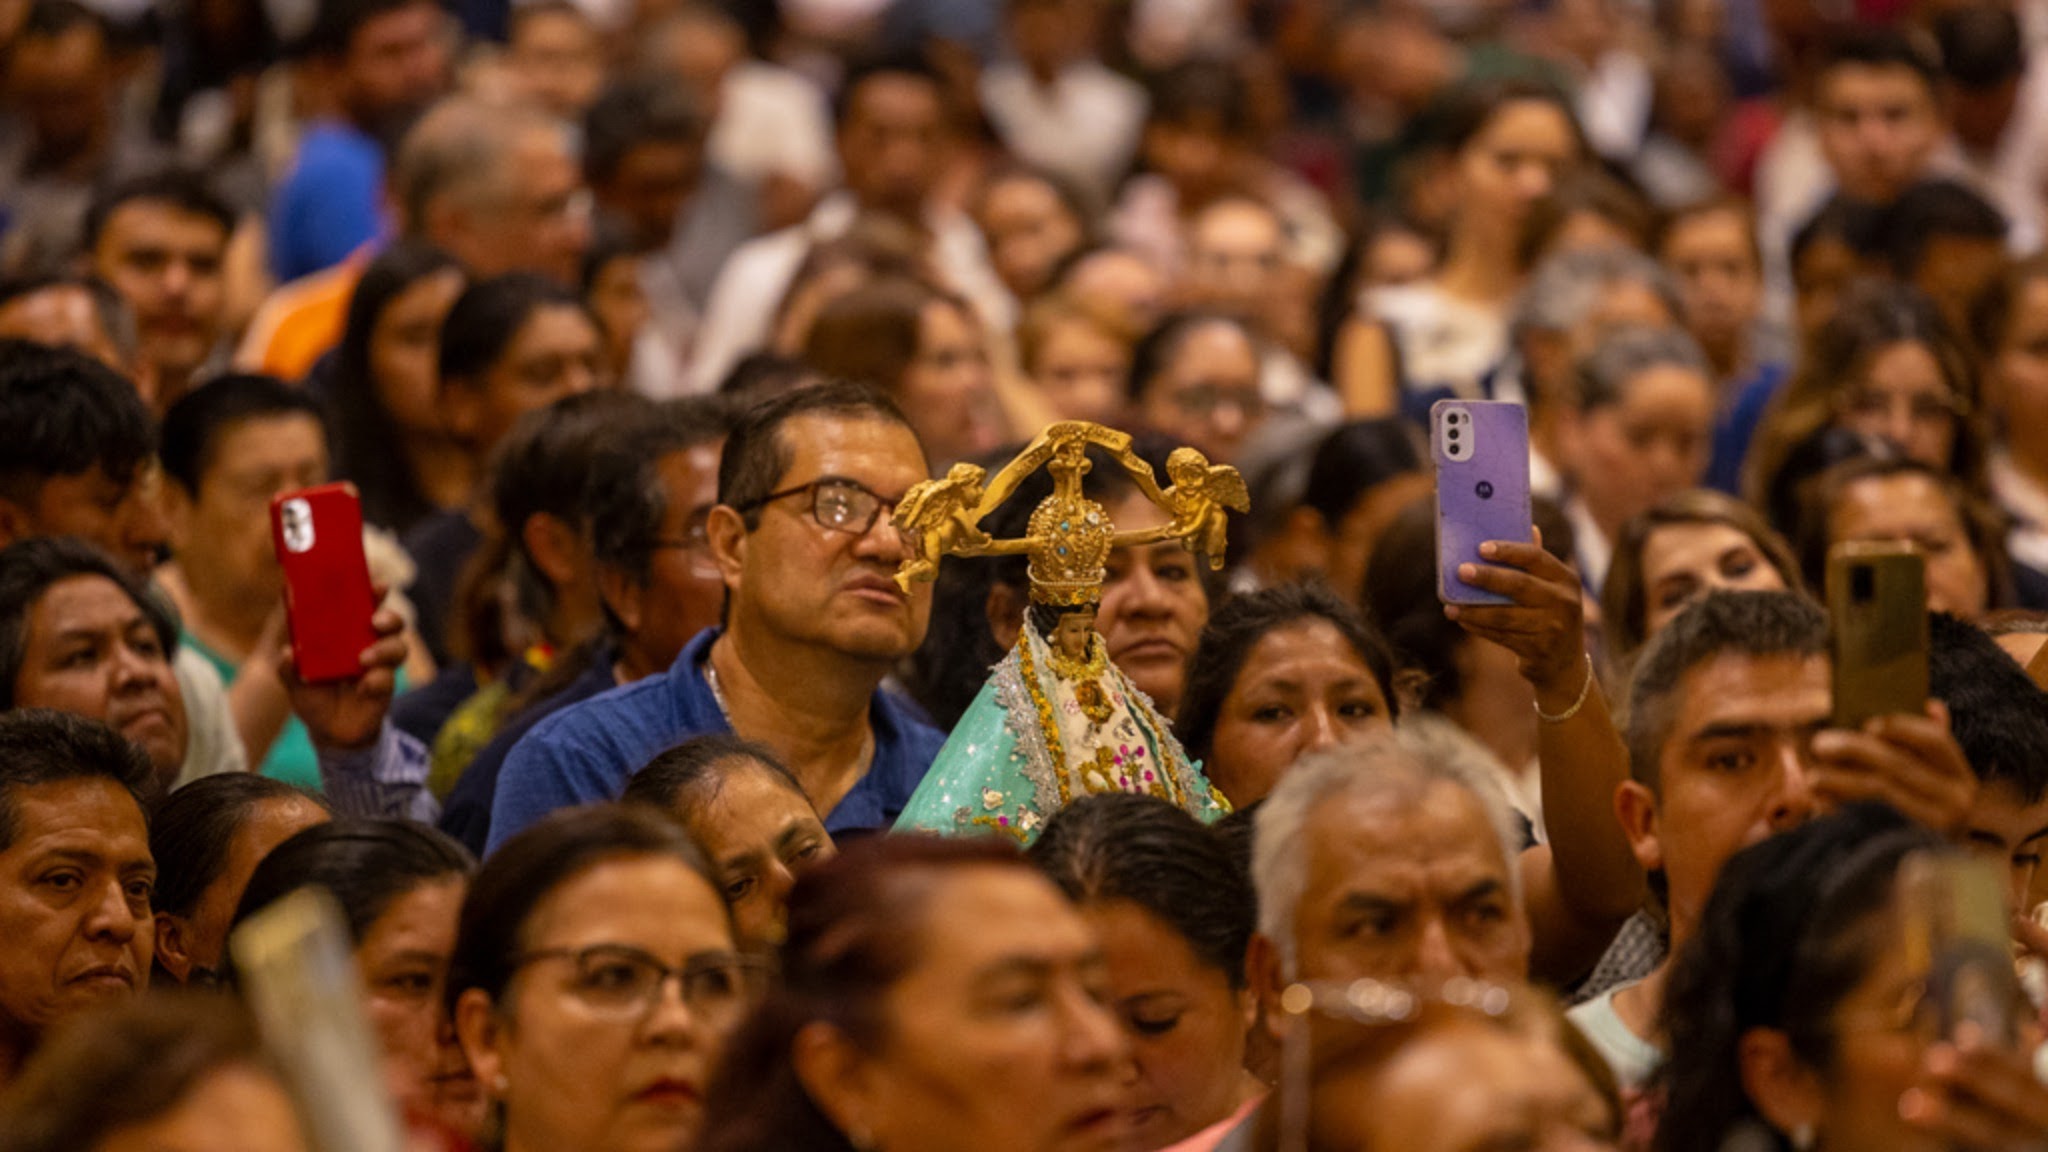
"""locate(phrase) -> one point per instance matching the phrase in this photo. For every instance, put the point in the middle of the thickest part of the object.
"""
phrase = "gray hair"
(463, 148)
(1607, 371)
(1402, 764)
(1567, 287)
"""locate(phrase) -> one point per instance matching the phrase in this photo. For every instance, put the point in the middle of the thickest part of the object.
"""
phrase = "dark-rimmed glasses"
(622, 982)
(837, 504)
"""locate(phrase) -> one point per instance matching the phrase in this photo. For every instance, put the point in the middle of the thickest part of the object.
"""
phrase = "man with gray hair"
(1392, 858)
(499, 186)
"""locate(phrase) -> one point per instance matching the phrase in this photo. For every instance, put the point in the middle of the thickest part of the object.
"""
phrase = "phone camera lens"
(1485, 490)
(1454, 435)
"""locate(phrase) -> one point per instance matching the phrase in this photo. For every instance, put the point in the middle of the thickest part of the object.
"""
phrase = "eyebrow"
(797, 830)
(1740, 729)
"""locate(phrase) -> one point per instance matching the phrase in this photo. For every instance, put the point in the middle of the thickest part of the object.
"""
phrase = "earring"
(1802, 1138)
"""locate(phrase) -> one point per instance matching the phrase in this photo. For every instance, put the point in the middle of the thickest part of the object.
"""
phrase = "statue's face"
(1070, 637)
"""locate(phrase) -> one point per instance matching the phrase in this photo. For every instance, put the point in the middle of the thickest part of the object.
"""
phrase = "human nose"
(1436, 958)
(1320, 729)
(1794, 802)
(1142, 593)
(110, 918)
(1094, 1041)
(669, 1019)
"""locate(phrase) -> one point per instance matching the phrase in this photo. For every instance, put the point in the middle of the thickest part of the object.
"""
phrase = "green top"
(291, 757)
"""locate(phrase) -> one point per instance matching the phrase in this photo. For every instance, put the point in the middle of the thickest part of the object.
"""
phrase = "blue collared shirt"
(586, 753)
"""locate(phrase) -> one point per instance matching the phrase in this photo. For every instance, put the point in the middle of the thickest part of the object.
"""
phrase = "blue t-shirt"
(330, 204)
(586, 753)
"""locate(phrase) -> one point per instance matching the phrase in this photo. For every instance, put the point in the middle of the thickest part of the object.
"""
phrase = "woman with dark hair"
(207, 839)
(1796, 1019)
(1509, 143)
(1890, 499)
(1195, 380)
(1280, 673)
(399, 885)
(936, 994)
(1174, 913)
(1696, 542)
(926, 349)
(1886, 366)
(180, 1071)
(751, 817)
(379, 387)
(573, 933)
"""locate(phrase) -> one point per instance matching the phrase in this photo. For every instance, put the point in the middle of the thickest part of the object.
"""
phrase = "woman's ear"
(841, 1080)
(481, 1033)
(1785, 1091)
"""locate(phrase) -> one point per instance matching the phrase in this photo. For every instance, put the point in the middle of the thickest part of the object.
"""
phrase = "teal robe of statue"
(1043, 733)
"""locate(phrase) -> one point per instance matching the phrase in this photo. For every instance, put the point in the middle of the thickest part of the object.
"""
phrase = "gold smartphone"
(1877, 611)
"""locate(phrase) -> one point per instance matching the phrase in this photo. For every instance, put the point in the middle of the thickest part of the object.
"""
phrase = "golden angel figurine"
(1056, 720)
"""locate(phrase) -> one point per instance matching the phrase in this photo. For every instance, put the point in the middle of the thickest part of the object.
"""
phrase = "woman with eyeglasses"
(936, 995)
(1886, 366)
(1195, 381)
(399, 885)
(595, 978)
(1798, 1018)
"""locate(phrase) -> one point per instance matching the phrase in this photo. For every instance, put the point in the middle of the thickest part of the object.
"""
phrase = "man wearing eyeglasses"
(813, 623)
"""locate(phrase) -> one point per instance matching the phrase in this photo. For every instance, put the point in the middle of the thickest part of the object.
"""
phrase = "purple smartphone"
(1482, 486)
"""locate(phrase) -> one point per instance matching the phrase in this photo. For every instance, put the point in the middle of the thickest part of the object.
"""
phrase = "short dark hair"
(1355, 458)
(1934, 208)
(1156, 351)
(63, 413)
(756, 458)
(528, 868)
(192, 829)
(29, 568)
(1237, 626)
(1203, 90)
(488, 314)
(39, 746)
(1124, 846)
(336, 22)
(183, 189)
(195, 424)
(636, 111)
(1861, 45)
(366, 865)
(625, 499)
(1982, 45)
(700, 765)
(1996, 712)
(903, 65)
(1754, 624)
(47, 18)
(1852, 222)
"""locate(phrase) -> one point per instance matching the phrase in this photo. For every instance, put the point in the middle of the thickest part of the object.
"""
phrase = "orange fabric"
(301, 321)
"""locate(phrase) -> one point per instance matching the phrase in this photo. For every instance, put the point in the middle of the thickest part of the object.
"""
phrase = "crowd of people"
(632, 325)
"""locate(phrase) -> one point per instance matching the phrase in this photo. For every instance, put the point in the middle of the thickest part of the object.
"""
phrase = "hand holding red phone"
(349, 713)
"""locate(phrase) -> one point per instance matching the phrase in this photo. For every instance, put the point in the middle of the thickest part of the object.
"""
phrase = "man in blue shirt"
(814, 623)
(381, 62)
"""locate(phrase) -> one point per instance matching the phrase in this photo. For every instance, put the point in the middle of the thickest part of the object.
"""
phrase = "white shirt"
(773, 121)
(1444, 342)
(741, 313)
(1084, 126)
(1633, 1059)
(1594, 550)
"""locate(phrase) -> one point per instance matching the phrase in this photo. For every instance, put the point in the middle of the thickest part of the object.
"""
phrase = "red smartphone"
(328, 600)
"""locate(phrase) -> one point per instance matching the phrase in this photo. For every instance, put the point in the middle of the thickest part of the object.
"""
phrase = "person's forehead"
(1862, 84)
(256, 443)
(1673, 547)
(878, 452)
(1892, 502)
(83, 602)
(892, 97)
(1786, 690)
(1433, 825)
(163, 221)
(75, 813)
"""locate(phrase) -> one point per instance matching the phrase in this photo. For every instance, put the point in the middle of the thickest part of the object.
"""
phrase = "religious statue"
(1056, 720)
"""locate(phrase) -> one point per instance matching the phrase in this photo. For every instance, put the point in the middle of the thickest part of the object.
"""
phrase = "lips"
(1152, 649)
(105, 977)
(670, 1092)
(878, 588)
(1104, 1126)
